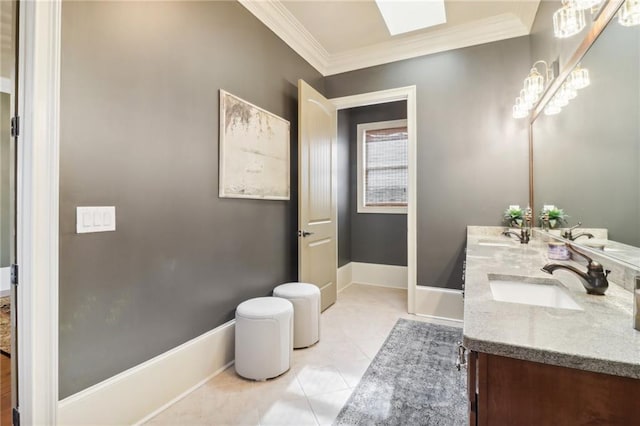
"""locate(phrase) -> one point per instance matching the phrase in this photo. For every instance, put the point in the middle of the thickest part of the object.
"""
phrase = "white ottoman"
(264, 337)
(306, 311)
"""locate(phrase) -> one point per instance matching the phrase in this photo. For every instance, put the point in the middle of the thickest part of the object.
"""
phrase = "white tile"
(294, 412)
(320, 379)
(327, 406)
(235, 410)
(352, 370)
(322, 376)
(372, 345)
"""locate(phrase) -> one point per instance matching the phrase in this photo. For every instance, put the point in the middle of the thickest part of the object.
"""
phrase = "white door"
(317, 198)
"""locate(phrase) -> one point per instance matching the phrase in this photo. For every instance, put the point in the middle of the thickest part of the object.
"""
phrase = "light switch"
(95, 219)
(87, 219)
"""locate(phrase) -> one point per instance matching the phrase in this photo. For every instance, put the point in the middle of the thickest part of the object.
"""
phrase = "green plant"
(554, 216)
(513, 216)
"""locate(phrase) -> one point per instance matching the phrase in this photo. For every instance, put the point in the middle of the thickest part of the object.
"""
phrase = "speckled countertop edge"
(600, 338)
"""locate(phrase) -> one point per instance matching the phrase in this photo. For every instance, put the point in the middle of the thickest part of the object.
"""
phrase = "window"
(382, 167)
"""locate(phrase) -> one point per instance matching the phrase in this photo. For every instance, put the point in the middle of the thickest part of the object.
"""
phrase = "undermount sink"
(496, 243)
(531, 291)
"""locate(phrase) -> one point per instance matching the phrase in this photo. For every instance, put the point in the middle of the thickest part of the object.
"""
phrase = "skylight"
(402, 16)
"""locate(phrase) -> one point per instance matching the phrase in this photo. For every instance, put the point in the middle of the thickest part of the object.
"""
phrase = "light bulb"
(559, 100)
(525, 102)
(564, 95)
(533, 85)
(629, 13)
(579, 78)
(568, 20)
(586, 4)
(569, 91)
(519, 111)
(552, 109)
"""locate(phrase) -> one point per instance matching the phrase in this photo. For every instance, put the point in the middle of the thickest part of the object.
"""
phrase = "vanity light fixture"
(519, 110)
(522, 106)
(535, 82)
(552, 109)
(579, 78)
(564, 95)
(560, 99)
(568, 20)
(568, 91)
(629, 14)
(586, 4)
(534, 85)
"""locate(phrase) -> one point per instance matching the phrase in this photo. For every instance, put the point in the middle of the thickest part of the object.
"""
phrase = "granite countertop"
(600, 338)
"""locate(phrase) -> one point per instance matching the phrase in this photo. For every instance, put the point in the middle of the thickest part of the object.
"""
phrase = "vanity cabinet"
(508, 391)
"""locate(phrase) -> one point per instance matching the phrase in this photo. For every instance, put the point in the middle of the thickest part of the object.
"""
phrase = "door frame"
(407, 93)
(37, 209)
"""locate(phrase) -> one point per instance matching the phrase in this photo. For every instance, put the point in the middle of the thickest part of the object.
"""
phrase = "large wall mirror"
(587, 156)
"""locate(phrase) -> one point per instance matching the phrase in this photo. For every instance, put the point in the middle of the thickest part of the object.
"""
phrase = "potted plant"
(513, 216)
(554, 216)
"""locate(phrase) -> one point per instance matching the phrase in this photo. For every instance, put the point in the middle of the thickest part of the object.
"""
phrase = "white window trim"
(361, 171)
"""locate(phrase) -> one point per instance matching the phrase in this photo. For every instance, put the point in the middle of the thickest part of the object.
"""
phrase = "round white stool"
(264, 337)
(306, 311)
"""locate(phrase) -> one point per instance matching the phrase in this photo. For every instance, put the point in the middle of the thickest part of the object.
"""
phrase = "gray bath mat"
(411, 381)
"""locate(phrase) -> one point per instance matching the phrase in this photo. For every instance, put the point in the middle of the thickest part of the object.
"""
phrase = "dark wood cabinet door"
(516, 392)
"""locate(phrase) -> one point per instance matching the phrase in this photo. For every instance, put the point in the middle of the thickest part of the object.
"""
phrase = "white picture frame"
(254, 151)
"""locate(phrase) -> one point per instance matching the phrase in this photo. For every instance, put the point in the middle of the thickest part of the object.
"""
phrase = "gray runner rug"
(411, 381)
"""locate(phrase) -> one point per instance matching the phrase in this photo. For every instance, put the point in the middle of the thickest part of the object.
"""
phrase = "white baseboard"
(344, 276)
(139, 393)
(439, 303)
(379, 275)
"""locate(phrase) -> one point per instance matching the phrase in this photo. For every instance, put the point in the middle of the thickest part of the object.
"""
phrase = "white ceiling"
(337, 36)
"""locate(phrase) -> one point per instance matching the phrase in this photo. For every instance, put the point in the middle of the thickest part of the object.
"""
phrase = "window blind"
(386, 159)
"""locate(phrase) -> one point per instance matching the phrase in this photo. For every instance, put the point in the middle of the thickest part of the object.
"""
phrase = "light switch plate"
(95, 219)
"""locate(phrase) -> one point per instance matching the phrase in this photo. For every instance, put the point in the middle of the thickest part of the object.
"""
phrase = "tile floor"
(321, 378)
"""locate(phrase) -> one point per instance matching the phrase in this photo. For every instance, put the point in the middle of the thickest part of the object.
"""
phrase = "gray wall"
(139, 130)
(587, 157)
(344, 189)
(375, 238)
(472, 155)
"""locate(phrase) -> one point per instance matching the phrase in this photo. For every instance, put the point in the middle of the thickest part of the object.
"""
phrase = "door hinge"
(15, 126)
(16, 417)
(14, 274)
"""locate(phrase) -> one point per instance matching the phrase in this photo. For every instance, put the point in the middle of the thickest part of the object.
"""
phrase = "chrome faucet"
(568, 234)
(523, 236)
(594, 280)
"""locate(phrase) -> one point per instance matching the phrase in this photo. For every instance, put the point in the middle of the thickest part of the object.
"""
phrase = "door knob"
(304, 233)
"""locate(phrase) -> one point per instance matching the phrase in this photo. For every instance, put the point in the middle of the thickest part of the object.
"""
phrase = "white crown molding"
(485, 31)
(282, 22)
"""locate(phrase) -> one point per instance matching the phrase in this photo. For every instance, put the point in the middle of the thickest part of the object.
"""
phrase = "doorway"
(407, 95)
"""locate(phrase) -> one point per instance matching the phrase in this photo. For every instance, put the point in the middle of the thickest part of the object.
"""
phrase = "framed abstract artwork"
(254, 151)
